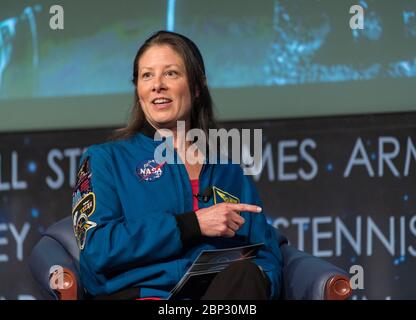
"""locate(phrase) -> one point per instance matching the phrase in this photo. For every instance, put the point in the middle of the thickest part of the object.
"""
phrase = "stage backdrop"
(340, 188)
(302, 53)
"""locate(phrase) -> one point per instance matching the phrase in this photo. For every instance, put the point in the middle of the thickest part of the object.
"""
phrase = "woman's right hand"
(223, 219)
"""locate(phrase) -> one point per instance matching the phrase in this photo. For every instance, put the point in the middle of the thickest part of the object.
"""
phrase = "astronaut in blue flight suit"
(140, 224)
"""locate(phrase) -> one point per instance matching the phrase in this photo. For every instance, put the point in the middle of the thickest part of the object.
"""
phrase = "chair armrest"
(55, 270)
(338, 288)
(311, 278)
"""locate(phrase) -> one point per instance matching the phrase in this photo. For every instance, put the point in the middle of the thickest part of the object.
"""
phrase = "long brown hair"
(202, 114)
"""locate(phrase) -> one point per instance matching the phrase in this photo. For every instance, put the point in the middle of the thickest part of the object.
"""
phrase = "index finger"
(245, 207)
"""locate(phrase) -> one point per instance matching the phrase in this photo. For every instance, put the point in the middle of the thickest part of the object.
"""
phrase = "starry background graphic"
(37, 206)
(376, 200)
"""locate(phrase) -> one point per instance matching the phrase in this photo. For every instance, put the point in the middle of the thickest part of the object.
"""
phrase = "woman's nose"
(158, 84)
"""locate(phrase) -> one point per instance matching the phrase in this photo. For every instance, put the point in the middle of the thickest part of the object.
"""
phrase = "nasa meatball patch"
(149, 170)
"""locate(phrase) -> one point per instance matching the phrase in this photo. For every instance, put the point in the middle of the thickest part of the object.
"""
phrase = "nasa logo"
(149, 170)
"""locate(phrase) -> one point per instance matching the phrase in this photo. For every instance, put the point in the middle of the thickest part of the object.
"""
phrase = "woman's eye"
(146, 75)
(172, 73)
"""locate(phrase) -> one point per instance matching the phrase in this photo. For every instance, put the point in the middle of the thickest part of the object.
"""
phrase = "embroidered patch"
(223, 196)
(83, 185)
(149, 170)
(80, 218)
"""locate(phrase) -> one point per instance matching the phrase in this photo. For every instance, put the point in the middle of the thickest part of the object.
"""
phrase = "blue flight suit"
(134, 223)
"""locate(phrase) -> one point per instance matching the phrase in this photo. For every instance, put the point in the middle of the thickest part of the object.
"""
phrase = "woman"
(138, 223)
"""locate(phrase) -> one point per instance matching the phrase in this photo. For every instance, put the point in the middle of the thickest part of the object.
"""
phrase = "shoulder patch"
(80, 218)
(223, 196)
(83, 185)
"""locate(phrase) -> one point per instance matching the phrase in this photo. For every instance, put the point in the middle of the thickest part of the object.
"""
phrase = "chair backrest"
(63, 232)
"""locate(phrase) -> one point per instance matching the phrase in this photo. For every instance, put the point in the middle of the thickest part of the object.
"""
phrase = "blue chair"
(54, 263)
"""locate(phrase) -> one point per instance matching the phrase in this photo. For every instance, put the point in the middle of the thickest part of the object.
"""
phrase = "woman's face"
(162, 87)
